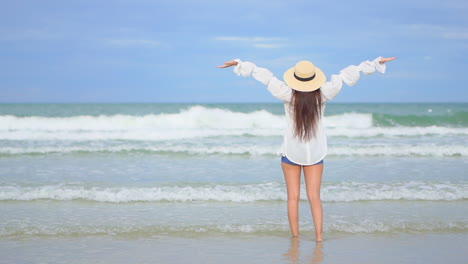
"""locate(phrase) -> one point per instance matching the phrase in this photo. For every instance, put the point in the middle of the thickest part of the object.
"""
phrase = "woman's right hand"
(384, 60)
(228, 64)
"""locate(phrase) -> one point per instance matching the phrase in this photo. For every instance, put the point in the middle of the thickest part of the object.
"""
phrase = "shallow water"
(105, 177)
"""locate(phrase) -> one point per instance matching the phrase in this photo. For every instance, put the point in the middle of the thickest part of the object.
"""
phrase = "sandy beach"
(359, 248)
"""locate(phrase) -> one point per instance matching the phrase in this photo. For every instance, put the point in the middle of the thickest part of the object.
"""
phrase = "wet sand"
(358, 248)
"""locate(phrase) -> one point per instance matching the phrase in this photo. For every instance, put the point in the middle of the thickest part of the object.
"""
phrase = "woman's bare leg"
(292, 176)
(313, 178)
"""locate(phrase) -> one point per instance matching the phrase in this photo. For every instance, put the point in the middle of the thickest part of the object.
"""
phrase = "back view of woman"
(305, 92)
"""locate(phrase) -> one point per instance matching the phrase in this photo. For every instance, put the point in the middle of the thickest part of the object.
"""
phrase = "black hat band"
(304, 79)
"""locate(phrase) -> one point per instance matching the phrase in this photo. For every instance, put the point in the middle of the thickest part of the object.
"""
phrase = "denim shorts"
(286, 160)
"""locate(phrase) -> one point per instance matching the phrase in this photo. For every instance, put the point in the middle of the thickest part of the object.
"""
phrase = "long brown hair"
(307, 109)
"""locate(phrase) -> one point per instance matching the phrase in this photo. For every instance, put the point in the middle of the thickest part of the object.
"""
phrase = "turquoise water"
(172, 171)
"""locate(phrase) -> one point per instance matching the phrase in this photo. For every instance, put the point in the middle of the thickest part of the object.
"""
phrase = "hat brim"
(301, 86)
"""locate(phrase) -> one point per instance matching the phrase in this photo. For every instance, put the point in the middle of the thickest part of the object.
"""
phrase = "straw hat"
(304, 77)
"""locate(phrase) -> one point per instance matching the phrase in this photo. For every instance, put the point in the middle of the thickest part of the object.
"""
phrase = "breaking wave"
(272, 191)
(199, 121)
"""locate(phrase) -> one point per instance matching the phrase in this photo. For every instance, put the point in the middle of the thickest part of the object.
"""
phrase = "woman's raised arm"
(351, 75)
(276, 87)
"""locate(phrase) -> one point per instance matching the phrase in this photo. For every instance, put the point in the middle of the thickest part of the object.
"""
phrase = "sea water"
(200, 171)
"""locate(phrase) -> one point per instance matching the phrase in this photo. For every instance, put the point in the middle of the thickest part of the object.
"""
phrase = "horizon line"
(242, 102)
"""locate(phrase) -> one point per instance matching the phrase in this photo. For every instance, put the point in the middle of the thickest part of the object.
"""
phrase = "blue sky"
(167, 50)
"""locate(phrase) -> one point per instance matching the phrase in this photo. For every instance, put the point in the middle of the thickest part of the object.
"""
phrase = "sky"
(168, 50)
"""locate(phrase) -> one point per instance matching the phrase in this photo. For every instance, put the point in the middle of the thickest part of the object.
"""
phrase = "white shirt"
(315, 149)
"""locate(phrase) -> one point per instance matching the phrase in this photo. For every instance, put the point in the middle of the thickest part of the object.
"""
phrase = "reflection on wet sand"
(293, 255)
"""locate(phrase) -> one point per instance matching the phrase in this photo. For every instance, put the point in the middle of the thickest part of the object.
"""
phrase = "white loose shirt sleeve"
(350, 75)
(314, 150)
(276, 87)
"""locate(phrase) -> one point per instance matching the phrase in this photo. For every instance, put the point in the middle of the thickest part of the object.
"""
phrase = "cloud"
(456, 35)
(256, 42)
(251, 39)
(133, 42)
(439, 31)
(281, 62)
(268, 46)
(27, 34)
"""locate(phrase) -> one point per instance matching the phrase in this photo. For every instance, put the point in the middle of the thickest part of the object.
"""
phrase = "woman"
(305, 93)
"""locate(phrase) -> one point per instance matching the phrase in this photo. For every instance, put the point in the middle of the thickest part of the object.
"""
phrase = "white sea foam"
(273, 191)
(195, 122)
(399, 150)
(341, 226)
(194, 117)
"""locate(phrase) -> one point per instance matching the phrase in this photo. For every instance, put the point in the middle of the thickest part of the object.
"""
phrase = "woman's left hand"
(228, 64)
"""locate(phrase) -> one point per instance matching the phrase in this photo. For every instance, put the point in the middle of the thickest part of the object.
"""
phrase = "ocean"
(202, 183)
